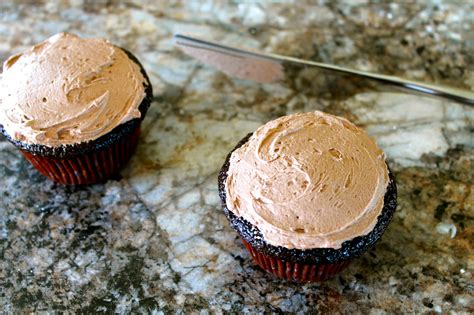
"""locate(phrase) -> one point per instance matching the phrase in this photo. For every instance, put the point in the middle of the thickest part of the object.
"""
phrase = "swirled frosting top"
(309, 180)
(68, 90)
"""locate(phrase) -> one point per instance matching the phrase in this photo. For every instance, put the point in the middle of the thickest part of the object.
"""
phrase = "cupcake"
(73, 107)
(307, 193)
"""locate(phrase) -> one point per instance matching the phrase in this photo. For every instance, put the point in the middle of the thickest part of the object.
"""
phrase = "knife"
(267, 68)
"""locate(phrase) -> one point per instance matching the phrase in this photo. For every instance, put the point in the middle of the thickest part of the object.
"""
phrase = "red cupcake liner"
(89, 168)
(295, 271)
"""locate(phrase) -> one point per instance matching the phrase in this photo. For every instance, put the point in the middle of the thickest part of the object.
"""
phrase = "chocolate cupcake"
(74, 106)
(307, 193)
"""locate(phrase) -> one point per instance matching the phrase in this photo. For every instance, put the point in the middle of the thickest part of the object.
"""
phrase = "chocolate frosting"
(307, 181)
(69, 90)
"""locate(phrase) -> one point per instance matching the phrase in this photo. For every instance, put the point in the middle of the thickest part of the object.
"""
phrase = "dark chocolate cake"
(350, 249)
(68, 151)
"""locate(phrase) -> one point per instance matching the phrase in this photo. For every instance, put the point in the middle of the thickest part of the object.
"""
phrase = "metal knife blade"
(265, 68)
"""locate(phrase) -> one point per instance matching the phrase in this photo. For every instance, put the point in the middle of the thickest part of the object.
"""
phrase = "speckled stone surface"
(155, 240)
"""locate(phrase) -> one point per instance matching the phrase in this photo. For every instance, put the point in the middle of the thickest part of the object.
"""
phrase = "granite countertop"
(155, 239)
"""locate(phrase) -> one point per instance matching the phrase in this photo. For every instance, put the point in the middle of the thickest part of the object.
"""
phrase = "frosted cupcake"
(307, 193)
(73, 107)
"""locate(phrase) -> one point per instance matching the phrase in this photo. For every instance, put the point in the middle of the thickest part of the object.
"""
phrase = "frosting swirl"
(68, 90)
(309, 180)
